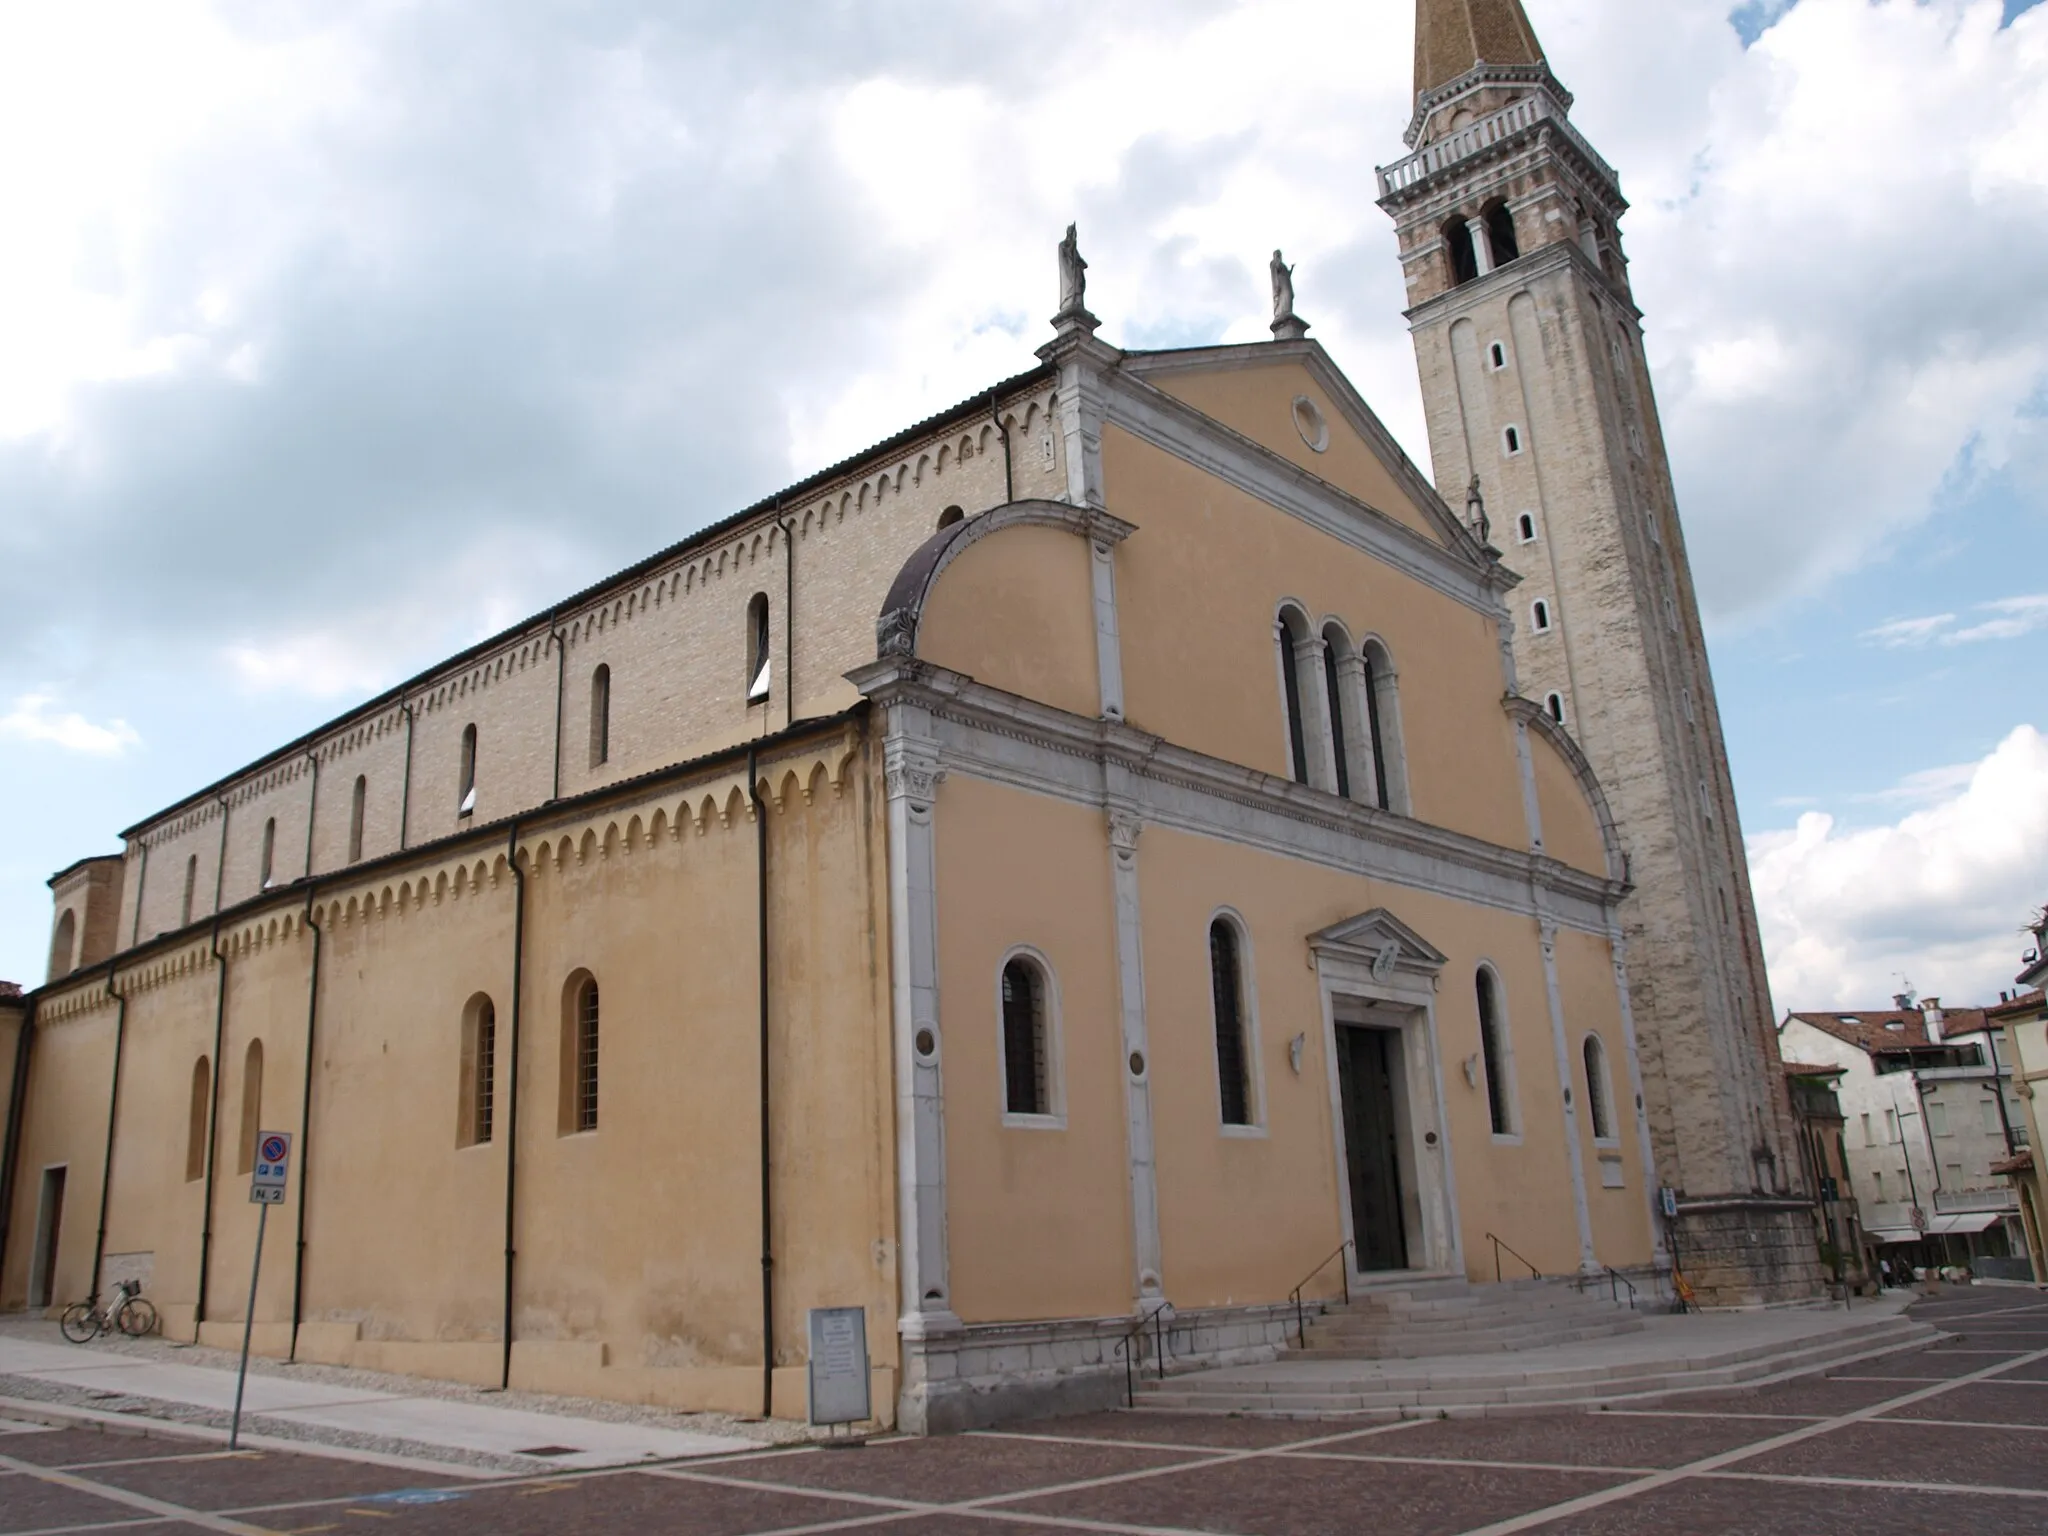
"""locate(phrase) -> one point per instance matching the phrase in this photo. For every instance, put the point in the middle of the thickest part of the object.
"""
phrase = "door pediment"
(1380, 944)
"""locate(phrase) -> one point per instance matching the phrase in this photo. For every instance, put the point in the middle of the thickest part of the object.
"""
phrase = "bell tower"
(1538, 399)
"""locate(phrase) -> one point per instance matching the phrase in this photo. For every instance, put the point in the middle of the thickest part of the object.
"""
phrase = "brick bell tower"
(1542, 424)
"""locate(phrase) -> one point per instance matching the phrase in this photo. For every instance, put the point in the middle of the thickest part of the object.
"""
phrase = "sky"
(337, 334)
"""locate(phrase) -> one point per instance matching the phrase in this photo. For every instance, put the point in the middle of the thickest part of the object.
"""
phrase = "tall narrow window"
(1539, 616)
(1493, 1055)
(600, 716)
(252, 1107)
(191, 885)
(1290, 632)
(1340, 725)
(358, 803)
(1464, 264)
(1026, 1075)
(63, 944)
(195, 1120)
(1226, 986)
(478, 1094)
(1598, 1108)
(757, 648)
(1525, 528)
(579, 1054)
(1383, 729)
(1511, 440)
(1497, 355)
(1553, 704)
(269, 851)
(465, 803)
(1500, 234)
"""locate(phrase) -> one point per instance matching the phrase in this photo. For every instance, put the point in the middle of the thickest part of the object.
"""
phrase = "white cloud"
(31, 720)
(1899, 633)
(2016, 617)
(1937, 895)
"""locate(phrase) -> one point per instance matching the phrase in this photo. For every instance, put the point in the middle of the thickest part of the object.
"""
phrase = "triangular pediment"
(1380, 941)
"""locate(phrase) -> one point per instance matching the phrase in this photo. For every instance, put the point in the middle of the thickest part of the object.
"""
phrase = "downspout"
(512, 1090)
(99, 1245)
(17, 1106)
(788, 620)
(405, 783)
(561, 683)
(312, 810)
(220, 866)
(995, 413)
(305, 1120)
(767, 1209)
(141, 883)
(220, 1019)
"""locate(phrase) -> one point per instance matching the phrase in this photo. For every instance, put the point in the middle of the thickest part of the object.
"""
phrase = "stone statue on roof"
(1283, 290)
(1073, 276)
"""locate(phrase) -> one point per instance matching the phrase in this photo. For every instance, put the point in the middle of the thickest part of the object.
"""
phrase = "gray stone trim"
(1148, 1280)
(1589, 1262)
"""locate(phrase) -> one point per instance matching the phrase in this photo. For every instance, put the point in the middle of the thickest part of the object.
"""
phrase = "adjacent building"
(2023, 1022)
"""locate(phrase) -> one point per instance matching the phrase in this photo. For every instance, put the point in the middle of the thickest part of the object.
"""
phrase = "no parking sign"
(273, 1157)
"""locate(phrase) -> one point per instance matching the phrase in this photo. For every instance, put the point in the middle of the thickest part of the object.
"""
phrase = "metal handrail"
(1617, 1282)
(1300, 1323)
(1498, 1245)
(1155, 1321)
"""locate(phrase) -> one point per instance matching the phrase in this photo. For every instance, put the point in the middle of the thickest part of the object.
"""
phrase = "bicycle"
(129, 1312)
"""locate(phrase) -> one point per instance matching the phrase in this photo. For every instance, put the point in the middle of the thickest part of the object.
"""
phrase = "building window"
(1383, 729)
(1937, 1118)
(757, 648)
(359, 802)
(1525, 528)
(1989, 1113)
(1226, 991)
(1868, 1139)
(1291, 634)
(1497, 355)
(1599, 1105)
(1500, 233)
(1879, 1176)
(600, 716)
(1458, 252)
(269, 851)
(478, 1096)
(950, 516)
(1493, 1052)
(1553, 705)
(64, 944)
(466, 784)
(1342, 725)
(1029, 1069)
(1891, 1126)
(252, 1107)
(1511, 440)
(579, 1054)
(191, 885)
(1539, 616)
(195, 1120)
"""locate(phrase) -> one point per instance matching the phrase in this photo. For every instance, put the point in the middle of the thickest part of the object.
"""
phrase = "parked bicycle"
(129, 1312)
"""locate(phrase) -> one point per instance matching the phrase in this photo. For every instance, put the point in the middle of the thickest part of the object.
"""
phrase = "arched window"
(195, 1120)
(252, 1107)
(1554, 703)
(465, 803)
(358, 803)
(1291, 632)
(1493, 1052)
(600, 716)
(1383, 729)
(1027, 1039)
(1599, 1104)
(1497, 355)
(477, 1094)
(1539, 616)
(1226, 991)
(269, 852)
(757, 648)
(1525, 527)
(579, 1054)
(950, 516)
(64, 944)
(1458, 252)
(1511, 440)
(1342, 725)
(1500, 233)
(191, 885)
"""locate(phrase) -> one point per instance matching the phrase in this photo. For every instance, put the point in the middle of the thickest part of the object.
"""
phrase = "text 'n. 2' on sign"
(273, 1158)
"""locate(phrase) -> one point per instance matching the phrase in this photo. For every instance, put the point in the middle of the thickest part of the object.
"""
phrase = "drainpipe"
(995, 413)
(141, 883)
(305, 1119)
(788, 620)
(220, 1019)
(220, 866)
(312, 810)
(17, 1106)
(512, 1090)
(405, 784)
(561, 680)
(99, 1245)
(767, 1211)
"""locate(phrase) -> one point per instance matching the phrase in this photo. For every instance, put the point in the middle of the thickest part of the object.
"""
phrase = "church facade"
(1090, 858)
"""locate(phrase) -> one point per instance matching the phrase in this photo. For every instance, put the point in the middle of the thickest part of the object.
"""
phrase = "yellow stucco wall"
(1571, 830)
(1030, 586)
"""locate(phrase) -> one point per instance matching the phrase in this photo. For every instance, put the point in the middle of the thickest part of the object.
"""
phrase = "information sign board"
(839, 1365)
(273, 1159)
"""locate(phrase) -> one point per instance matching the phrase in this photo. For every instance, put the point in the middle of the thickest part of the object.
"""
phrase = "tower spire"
(1454, 36)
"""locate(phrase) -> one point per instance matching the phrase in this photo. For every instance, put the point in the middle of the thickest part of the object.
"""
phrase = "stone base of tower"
(1747, 1250)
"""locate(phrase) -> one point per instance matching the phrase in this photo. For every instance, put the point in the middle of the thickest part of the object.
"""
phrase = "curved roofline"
(1533, 714)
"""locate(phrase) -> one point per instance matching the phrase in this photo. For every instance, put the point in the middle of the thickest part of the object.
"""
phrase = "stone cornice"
(1544, 261)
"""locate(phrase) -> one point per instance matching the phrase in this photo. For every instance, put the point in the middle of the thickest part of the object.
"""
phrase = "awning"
(1938, 1226)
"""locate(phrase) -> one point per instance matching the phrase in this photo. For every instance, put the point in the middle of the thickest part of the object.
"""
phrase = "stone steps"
(1453, 1317)
(1295, 1387)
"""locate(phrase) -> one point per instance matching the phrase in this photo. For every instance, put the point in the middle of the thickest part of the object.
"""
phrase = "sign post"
(839, 1378)
(266, 1188)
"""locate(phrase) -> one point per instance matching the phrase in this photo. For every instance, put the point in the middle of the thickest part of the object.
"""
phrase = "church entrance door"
(1365, 1077)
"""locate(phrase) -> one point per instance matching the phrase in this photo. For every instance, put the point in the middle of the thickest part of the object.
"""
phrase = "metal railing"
(1499, 1248)
(1300, 1320)
(1617, 1282)
(1156, 1320)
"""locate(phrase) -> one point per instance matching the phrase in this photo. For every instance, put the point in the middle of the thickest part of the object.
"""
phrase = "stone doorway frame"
(1374, 971)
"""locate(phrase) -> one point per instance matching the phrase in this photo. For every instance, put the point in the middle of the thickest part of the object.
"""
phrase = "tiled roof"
(1810, 1069)
(2019, 1162)
(10, 989)
(1890, 1029)
(2026, 1003)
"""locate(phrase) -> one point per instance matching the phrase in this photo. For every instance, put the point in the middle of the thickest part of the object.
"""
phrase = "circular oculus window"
(1309, 422)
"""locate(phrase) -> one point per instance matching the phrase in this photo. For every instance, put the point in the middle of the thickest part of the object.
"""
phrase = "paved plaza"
(1946, 1437)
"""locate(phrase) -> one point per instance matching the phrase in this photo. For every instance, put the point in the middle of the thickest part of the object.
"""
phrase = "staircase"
(1418, 1318)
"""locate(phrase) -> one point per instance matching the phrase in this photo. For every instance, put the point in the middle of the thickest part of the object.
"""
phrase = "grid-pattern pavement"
(1953, 1436)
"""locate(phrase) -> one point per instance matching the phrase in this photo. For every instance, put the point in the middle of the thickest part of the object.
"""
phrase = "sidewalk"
(393, 1418)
